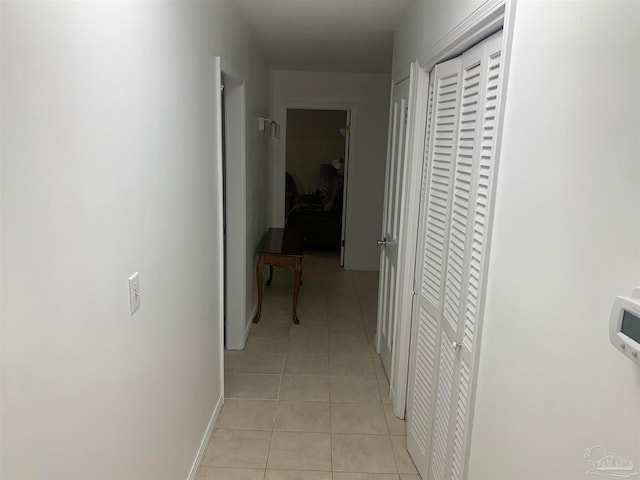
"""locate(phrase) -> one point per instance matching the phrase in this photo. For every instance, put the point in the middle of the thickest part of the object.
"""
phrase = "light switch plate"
(134, 293)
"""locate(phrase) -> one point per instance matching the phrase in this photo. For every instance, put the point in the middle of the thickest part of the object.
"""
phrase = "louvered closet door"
(452, 333)
(433, 232)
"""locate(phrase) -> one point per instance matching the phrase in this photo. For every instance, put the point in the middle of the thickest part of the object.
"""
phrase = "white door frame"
(397, 156)
(490, 17)
(280, 156)
(410, 201)
(235, 284)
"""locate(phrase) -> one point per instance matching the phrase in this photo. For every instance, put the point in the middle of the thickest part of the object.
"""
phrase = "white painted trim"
(236, 201)
(219, 254)
(249, 322)
(401, 75)
(484, 21)
(204, 443)
(410, 208)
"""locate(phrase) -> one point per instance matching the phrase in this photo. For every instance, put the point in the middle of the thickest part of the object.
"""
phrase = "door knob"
(456, 345)
(382, 243)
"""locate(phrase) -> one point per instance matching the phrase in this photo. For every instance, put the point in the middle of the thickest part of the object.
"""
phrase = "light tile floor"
(310, 401)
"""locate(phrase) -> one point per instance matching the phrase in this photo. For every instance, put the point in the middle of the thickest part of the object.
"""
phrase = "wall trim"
(484, 21)
(249, 322)
(202, 449)
(235, 287)
(401, 75)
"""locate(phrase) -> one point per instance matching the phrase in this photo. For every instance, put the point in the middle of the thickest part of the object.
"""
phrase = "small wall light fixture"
(270, 125)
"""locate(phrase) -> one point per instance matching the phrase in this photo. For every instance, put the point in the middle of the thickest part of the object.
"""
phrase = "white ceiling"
(326, 35)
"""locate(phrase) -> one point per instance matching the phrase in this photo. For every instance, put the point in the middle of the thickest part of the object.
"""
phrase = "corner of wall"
(202, 449)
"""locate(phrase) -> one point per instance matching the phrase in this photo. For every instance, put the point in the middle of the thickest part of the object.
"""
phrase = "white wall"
(107, 150)
(369, 95)
(425, 23)
(565, 240)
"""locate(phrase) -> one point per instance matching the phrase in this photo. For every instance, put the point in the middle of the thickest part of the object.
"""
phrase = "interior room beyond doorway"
(316, 157)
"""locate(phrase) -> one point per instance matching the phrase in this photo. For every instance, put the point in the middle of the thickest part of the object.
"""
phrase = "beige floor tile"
(350, 365)
(409, 477)
(302, 417)
(308, 346)
(338, 345)
(362, 453)
(231, 358)
(379, 367)
(371, 335)
(312, 301)
(358, 418)
(266, 345)
(383, 387)
(219, 473)
(261, 363)
(343, 307)
(312, 317)
(306, 365)
(297, 475)
(247, 415)
(300, 451)
(304, 388)
(403, 460)
(365, 476)
(252, 386)
(354, 390)
(275, 312)
(396, 425)
(237, 448)
(267, 327)
(313, 330)
(347, 329)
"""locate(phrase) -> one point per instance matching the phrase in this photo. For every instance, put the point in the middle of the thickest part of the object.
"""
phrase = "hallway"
(302, 401)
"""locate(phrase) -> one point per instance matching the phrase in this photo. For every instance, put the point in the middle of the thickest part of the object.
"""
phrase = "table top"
(282, 241)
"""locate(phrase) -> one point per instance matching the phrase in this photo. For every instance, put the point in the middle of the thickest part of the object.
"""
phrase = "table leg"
(296, 289)
(270, 275)
(259, 269)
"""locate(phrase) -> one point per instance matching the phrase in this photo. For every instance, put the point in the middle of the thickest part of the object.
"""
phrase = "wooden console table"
(280, 247)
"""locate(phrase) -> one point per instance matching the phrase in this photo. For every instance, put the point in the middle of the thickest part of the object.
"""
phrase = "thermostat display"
(631, 326)
(624, 325)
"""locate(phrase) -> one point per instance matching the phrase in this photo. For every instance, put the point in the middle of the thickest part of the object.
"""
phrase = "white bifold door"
(451, 260)
(391, 223)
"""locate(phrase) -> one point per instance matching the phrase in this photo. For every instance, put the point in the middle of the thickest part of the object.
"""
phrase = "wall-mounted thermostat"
(624, 325)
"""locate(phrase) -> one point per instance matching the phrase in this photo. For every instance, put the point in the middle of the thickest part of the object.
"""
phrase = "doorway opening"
(317, 160)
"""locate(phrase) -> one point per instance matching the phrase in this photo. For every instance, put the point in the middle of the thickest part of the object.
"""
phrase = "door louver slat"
(446, 109)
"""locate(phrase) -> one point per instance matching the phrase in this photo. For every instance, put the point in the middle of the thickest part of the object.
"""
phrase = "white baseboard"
(249, 322)
(193, 473)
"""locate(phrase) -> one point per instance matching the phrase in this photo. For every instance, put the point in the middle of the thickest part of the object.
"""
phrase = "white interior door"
(391, 223)
(455, 224)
